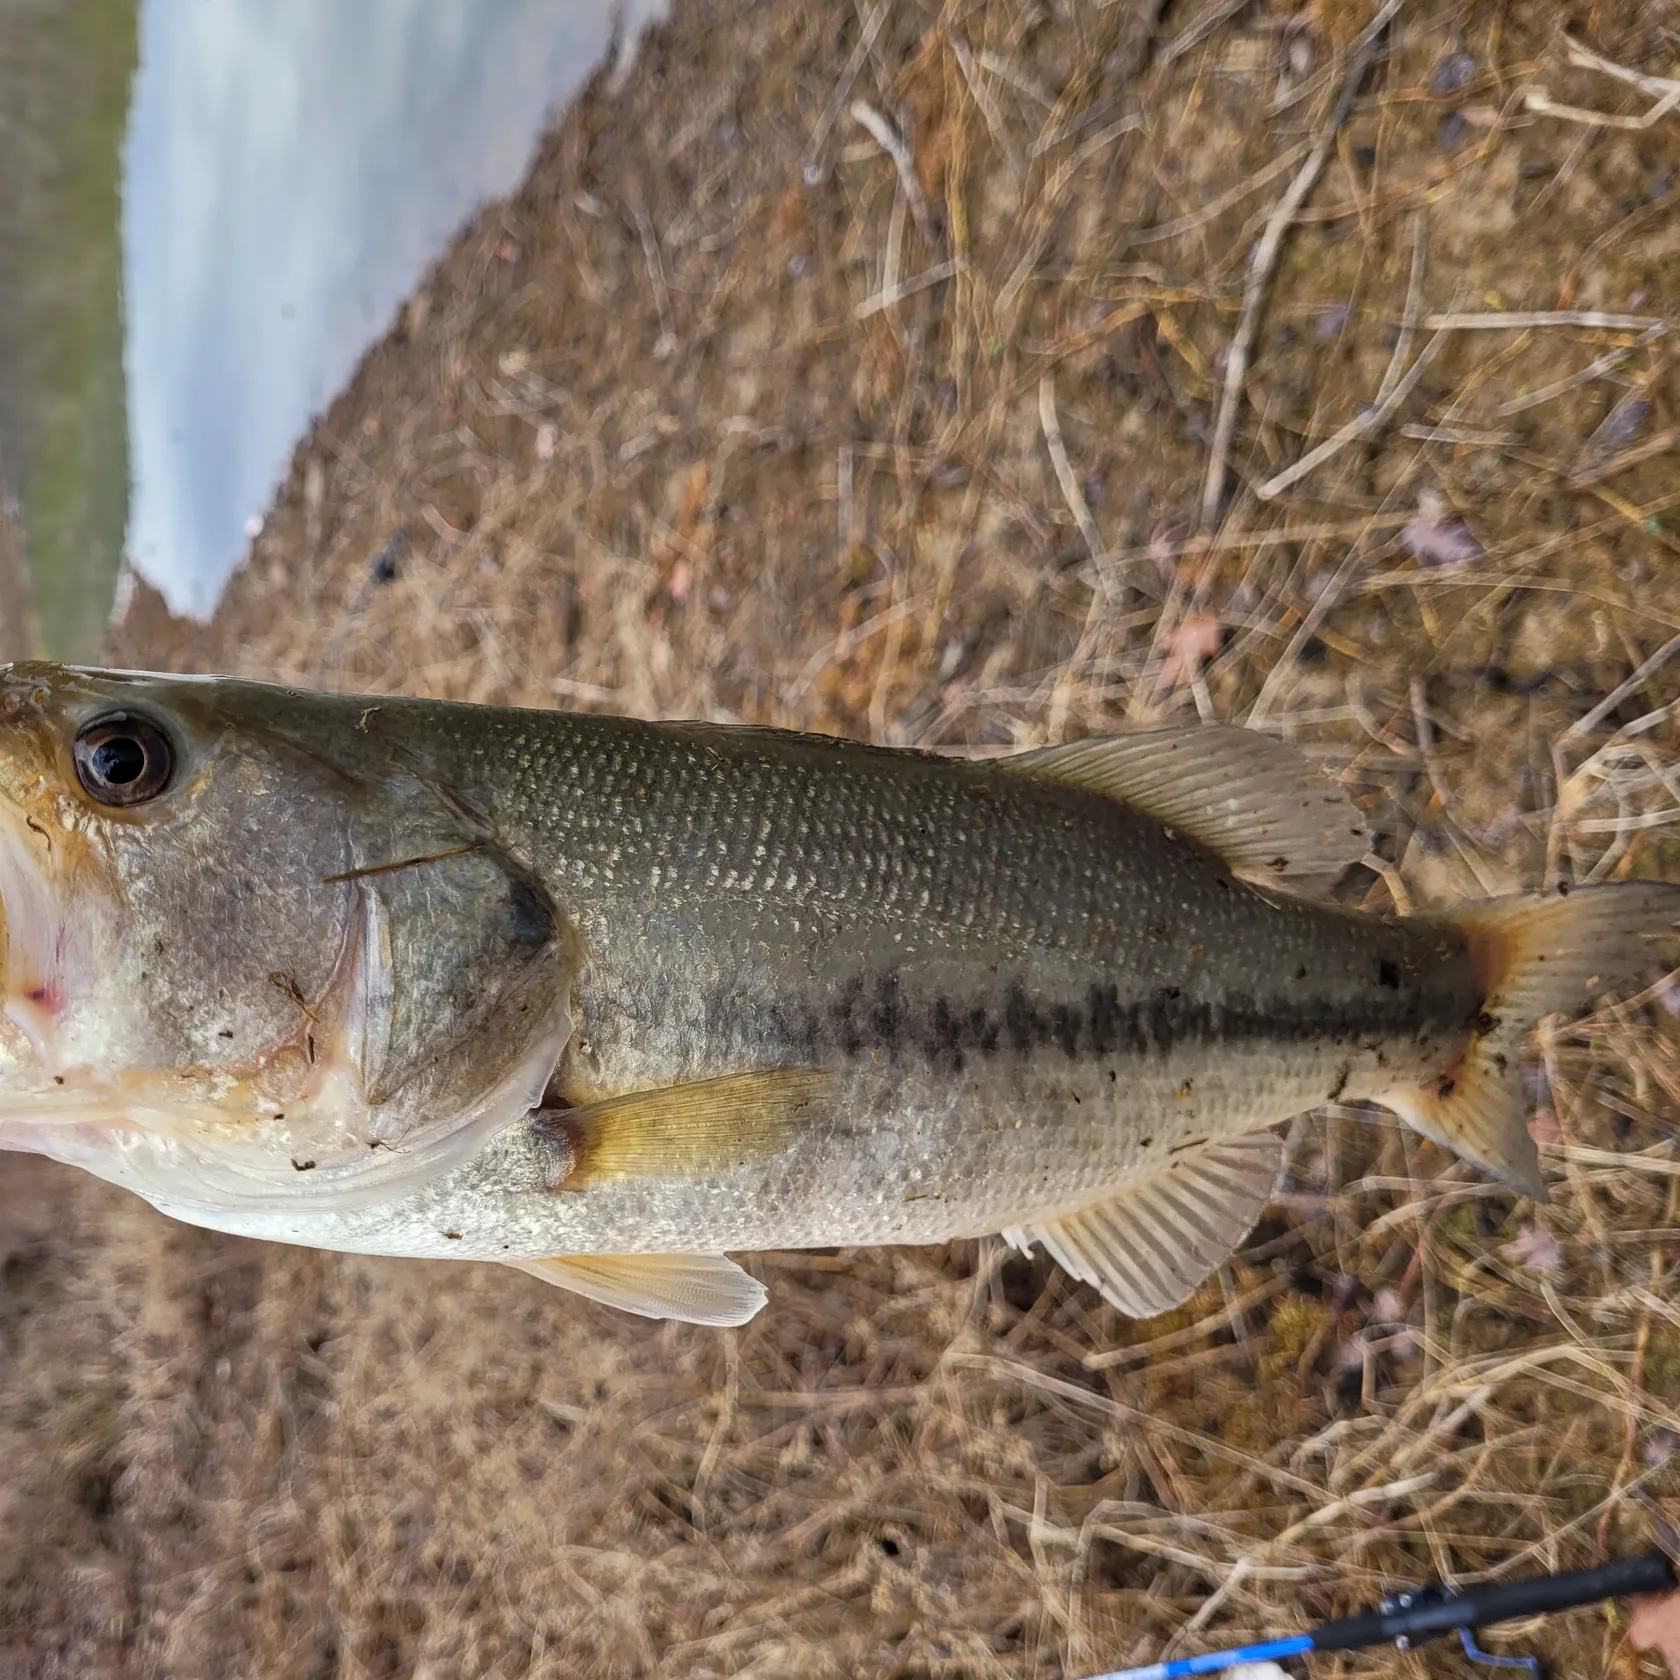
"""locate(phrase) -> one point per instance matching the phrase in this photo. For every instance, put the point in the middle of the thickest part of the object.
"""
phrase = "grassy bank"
(65, 70)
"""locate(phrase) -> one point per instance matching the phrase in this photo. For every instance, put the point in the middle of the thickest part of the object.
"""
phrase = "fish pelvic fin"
(1275, 817)
(1151, 1246)
(683, 1131)
(1534, 955)
(693, 1288)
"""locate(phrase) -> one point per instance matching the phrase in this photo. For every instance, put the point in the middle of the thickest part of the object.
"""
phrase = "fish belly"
(905, 1153)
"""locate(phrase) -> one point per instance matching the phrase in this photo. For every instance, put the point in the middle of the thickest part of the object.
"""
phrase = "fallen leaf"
(1656, 1627)
(1198, 637)
(1535, 1249)
(1543, 1127)
(1436, 538)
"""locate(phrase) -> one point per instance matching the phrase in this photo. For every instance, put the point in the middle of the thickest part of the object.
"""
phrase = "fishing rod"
(1419, 1613)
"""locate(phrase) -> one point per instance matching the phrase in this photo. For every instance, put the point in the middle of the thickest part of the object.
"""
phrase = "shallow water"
(287, 175)
(290, 172)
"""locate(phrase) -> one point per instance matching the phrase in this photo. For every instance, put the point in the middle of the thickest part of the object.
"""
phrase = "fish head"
(252, 957)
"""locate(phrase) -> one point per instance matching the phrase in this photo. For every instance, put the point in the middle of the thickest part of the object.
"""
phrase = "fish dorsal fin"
(683, 1131)
(1274, 816)
(695, 1288)
(1149, 1248)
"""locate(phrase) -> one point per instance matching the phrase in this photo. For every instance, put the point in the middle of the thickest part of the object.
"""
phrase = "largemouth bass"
(605, 999)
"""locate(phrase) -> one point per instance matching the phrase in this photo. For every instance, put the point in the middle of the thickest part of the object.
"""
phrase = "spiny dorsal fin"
(1260, 803)
(695, 1288)
(684, 1131)
(1535, 955)
(1149, 1248)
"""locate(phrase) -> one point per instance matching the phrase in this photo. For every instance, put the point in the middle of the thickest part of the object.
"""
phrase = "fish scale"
(891, 935)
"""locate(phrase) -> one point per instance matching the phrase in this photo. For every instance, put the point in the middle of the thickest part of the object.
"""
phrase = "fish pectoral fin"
(1149, 1248)
(1274, 816)
(683, 1131)
(695, 1288)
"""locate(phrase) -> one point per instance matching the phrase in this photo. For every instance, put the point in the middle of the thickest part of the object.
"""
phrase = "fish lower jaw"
(68, 997)
(245, 1164)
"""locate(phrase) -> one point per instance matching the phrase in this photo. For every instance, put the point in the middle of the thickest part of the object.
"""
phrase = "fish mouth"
(83, 1079)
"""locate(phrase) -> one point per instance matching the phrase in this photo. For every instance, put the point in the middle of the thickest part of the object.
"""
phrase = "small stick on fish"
(367, 870)
(1264, 261)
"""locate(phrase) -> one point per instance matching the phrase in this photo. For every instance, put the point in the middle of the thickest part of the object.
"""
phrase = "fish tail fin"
(1535, 955)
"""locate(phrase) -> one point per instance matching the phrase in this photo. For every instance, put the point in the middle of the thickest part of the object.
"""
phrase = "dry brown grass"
(919, 449)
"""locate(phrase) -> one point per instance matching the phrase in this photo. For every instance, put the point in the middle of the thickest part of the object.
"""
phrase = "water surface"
(287, 173)
(291, 171)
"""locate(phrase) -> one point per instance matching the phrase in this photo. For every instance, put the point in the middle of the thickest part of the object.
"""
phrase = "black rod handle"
(1423, 1615)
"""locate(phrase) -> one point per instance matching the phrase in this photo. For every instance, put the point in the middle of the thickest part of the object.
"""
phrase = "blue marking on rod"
(1529, 1665)
(1211, 1662)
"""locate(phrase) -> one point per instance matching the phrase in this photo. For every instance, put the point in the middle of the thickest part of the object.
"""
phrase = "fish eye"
(123, 760)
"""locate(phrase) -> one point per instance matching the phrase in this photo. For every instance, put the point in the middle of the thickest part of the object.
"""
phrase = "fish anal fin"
(1479, 1110)
(1148, 1248)
(683, 1131)
(695, 1288)
(1534, 955)
(1274, 816)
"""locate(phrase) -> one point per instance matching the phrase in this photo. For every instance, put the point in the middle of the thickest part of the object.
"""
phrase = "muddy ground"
(733, 412)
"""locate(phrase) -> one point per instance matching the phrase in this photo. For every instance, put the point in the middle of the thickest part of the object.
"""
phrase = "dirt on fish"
(730, 412)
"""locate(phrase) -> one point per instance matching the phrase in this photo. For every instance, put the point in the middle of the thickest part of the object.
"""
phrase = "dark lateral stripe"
(878, 1019)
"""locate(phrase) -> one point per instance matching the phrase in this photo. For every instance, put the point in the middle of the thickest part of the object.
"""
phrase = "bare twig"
(893, 144)
(972, 75)
(1585, 58)
(1542, 104)
(1265, 257)
(1362, 424)
(667, 342)
(1472, 436)
(1595, 369)
(897, 292)
(1069, 480)
(1586, 725)
(1193, 34)
(1392, 392)
(1516, 320)
(842, 91)
(1194, 219)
